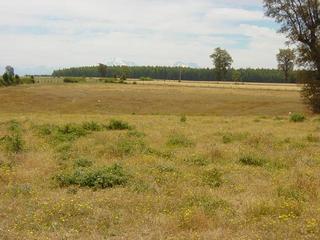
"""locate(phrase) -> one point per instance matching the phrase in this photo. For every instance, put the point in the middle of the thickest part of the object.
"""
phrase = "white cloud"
(62, 33)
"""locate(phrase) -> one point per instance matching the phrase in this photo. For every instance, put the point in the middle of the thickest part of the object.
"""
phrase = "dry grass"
(199, 190)
(146, 100)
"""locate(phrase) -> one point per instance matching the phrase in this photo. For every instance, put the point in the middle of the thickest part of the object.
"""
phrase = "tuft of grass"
(14, 143)
(126, 146)
(213, 178)
(83, 162)
(210, 205)
(179, 140)
(197, 160)
(297, 117)
(103, 177)
(183, 119)
(251, 160)
(118, 125)
(313, 138)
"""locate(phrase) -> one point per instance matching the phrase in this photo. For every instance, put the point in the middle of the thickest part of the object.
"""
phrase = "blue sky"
(40, 35)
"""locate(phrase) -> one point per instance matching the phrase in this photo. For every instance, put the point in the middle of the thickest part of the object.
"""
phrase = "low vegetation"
(156, 176)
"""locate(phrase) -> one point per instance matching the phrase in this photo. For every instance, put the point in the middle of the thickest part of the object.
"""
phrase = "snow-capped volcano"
(183, 64)
(120, 62)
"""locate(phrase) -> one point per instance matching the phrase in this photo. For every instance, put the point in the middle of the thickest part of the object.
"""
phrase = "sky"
(37, 36)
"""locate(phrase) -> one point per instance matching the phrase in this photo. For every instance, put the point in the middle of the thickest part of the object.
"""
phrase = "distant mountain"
(120, 62)
(183, 64)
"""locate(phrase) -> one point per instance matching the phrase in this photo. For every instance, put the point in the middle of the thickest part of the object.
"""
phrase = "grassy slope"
(198, 191)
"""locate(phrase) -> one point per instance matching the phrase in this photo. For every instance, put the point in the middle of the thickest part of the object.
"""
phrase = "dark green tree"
(222, 62)
(102, 70)
(285, 59)
(300, 21)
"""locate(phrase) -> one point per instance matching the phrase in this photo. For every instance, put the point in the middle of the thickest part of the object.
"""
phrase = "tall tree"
(300, 21)
(286, 59)
(102, 70)
(222, 62)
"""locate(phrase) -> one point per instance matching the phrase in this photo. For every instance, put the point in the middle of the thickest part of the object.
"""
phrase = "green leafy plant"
(103, 177)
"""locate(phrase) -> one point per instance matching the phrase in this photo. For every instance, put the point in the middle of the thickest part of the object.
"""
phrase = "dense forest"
(173, 73)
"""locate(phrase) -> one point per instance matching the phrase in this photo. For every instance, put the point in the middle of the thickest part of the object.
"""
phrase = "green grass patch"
(102, 177)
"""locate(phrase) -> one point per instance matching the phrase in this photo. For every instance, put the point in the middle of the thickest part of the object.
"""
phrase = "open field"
(147, 99)
(235, 167)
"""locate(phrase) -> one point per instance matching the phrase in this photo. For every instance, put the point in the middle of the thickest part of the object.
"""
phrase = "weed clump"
(103, 177)
(197, 160)
(14, 143)
(118, 125)
(252, 161)
(92, 126)
(179, 140)
(83, 162)
(213, 178)
(183, 119)
(297, 117)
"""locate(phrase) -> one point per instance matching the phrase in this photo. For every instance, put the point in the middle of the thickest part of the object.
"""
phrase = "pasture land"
(96, 161)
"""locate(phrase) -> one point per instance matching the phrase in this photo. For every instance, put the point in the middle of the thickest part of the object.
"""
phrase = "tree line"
(173, 73)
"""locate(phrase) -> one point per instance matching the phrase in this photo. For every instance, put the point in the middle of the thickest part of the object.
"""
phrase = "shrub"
(14, 126)
(252, 161)
(74, 80)
(46, 129)
(227, 139)
(70, 132)
(183, 119)
(213, 178)
(104, 177)
(118, 125)
(91, 126)
(296, 117)
(14, 143)
(180, 140)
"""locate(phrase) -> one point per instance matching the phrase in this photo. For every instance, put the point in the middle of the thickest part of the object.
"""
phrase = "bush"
(118, 125)
(183, 119)
(70, 132)
(296, 117)
(180, 140)
(74, 80)
(91, 126)
(14, 143)
(213, 178)
(252, 161)
(104, 177)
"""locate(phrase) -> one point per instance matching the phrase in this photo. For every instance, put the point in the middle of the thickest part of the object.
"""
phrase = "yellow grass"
(195, 187)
